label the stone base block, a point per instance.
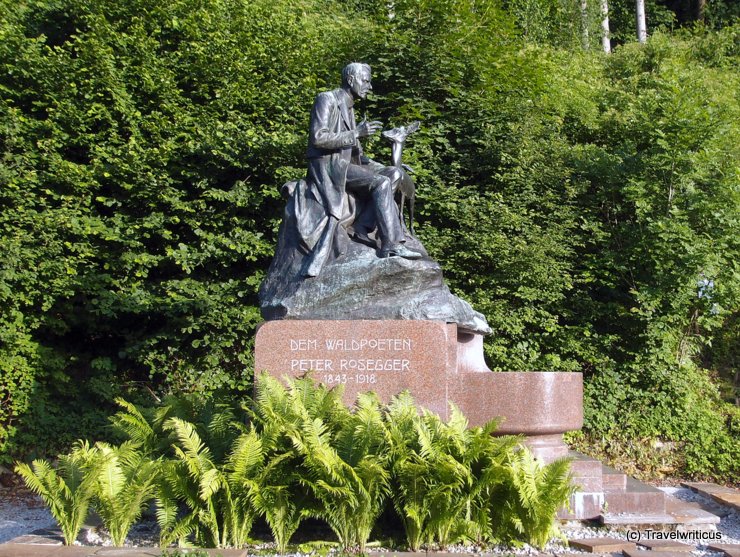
(435, 362)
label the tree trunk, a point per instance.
(641, 26)
(699, 6)
(585, 42)
(605, 42)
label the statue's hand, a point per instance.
(365, 128)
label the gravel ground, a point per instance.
(22, 513)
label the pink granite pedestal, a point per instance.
(436, 363)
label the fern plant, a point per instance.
(140, 426)
(408, 471)
(484, 457)
(125, 481)
(342, 455)
(525, 506)
(350, 485)
(443, 474)
(66, 490)
(282, 499)
(216, 423)
(280, 495)
(217, 494)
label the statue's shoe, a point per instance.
(400, 251)
(364, 239)
(399, 135)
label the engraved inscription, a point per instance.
(344, 378)
(374, 365)
(382, 344)
(335, 359)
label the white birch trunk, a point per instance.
(584, 25)
(605, 38)
(641, 26)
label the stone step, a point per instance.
(723, 495)
(678, 515)
(637, 519)
(644, 553)
(666, 545)
(586, 471)
(638, 497)
(602, 545)
(583, 506)
(690, 514)
(613, 480)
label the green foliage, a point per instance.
(66, 490)
(577, 200)
(347, 471)
(444, 475)
(125, 482)
(142, 146)
(343, 458)
(527, 502)
(216, 493)
(307, 455)
(281, 495)
(664, 263)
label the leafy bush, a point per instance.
(66, 490)
(307, 455)
(444, 475)
(125, 482)
(577, 200)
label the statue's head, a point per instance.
(356, 78)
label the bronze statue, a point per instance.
(337, 166)
(343, 250)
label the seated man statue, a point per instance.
(336, 167)
(343, 251)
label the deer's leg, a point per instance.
(401, 218)
(412, 200)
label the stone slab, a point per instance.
(695, 517)
(37, 539)
(688, 512)
(731, 500)
(637, 519)
(532, 403)
(387, 357)
(729, 549)
(646, 553)
(721, 494)
(20, 550)
(602, 545)
(665, 545)
(397, 554)
(128, 552)
(449, 554)
(638, 497)
(707, 488)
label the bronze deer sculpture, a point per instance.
(406, 186)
